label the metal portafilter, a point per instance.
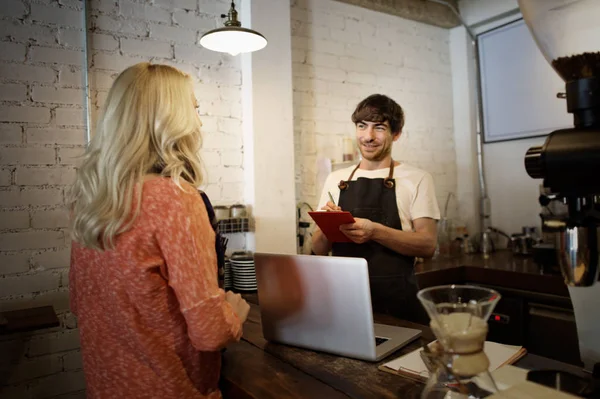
(570, 170)
(578, 255)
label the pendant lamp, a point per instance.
(232, 38)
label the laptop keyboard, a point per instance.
(379, 341)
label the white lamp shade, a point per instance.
(233, 40)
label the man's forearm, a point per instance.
(320, 244)
(408, 243)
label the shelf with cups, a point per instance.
(232, 219)
(234, 225)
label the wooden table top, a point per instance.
(256, 368)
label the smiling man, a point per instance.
(394, 207)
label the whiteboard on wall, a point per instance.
(518, 86)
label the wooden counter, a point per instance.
(298, 373)
(536, 303)
(255, 368)
(502, 269)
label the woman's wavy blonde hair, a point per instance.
(148, 125)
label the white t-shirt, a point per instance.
(415, 192)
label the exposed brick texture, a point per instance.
(343, 53)
(42, 133)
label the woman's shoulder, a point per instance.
(164, 190)
(154, 184)
(164, 201)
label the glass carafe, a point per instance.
(458, 365)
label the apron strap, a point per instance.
(344, 185)
(389, 181)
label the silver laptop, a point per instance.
(323, 303)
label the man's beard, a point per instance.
(382, 151)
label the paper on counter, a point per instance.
(498, 354)
(505, 377)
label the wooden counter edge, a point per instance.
(249, 372)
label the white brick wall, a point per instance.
(40, 80)
(168, 32)
(343, 53)
(42, 132)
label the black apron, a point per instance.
(391, 275)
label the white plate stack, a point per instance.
(244, 274)
(227, 275)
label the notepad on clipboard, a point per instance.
(412, 366)
(330, 221)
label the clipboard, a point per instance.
(330, 222)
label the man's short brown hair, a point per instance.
(379, 108)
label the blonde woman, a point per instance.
(143, 275)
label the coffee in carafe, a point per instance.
(457, 363)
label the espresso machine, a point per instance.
(568, 34)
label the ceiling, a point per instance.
(425, 11)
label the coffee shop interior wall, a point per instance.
(513, 194)
(42, 131)
(343, 53)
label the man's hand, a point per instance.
(360, 231)
(330, 206)
(320, 244)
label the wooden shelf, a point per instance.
(28, 319)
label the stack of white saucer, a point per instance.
(244, 274)
(227, 275)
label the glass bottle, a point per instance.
(444, 238)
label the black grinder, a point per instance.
(568, 34)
